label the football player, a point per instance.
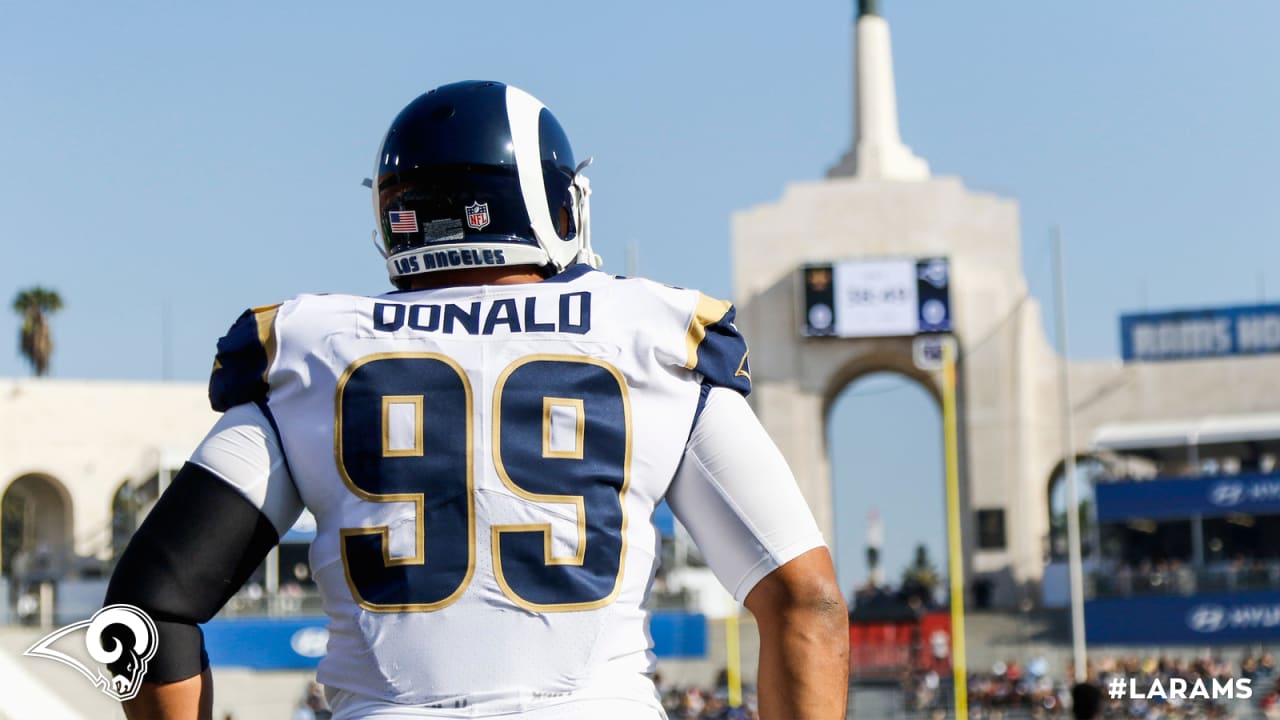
(483, 449)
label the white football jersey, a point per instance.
(483, 464)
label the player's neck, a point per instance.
(515, 275)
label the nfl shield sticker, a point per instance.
(478, 215)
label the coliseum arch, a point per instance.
(1089, 467)
(878, 358)
(36, 526)
(899, 408)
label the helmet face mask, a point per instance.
(478, 174)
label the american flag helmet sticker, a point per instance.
(403, 221)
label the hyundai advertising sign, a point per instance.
(1209, 332)
(1213, 496)
(1208, 619)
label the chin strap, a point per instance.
(381, 250)
(582, 195)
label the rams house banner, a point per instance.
(1201, 333)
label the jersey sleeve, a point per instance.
(715, 348)
(737, 498)
(244, 356)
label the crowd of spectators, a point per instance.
(1009, 688)
(1175, 577)
(696, 703)
(312, 705)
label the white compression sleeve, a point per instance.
(243, 450)
(738, 499)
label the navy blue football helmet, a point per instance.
(477, 174)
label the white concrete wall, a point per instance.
(90, 435)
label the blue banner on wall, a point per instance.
(299, 643)
(678, 635)
(1208, 332)
(1183, 497)
(267, 643)
(1208, 619)
(664, 520)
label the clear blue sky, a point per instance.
(209, 158)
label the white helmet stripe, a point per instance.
(522, 114)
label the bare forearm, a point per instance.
(804, 666)
(190, 699)
(804, 641)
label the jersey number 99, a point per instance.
(404, 433)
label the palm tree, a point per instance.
(35, 304)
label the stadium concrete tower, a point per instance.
(877, 207)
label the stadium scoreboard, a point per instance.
(883, 297)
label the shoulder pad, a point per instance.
(715, 347)
(244, 356)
